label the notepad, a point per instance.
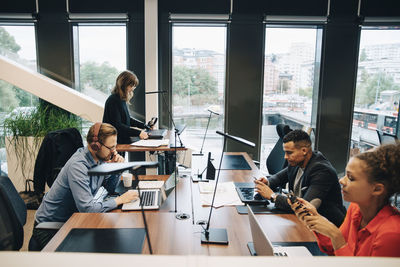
(151, 143)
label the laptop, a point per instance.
(157, 134)
(262, 246)
(153, 198)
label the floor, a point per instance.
(28, 229)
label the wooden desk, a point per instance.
(182, 237)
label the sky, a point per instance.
(108, 44)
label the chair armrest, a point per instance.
(49, 225)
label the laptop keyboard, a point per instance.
(147, 198)
(247, 193)
(280, 254)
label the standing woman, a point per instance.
(372, 225)
(116, 111)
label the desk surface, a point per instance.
(130, 148)
(182, 237)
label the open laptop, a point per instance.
(157, 134)
(153, 198)
(249, 196)
(262, 246)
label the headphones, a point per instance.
(95, 145)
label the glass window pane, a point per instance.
(378, 87)
(288, 82)
(102, 56)
(17, 42)
(198, 83)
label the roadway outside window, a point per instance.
(288, 82)
(18, 43)
(378, 87)
(198, 82)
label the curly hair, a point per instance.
(125, 79)
(383, 166)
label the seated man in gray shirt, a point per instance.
(74, 190)
(310, 176)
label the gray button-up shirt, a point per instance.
(73, 190)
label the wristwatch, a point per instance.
(273, 197)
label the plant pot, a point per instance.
(21, 157)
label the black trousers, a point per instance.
(42, 236)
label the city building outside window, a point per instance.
(377, 99)
(288, 83)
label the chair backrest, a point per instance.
(386, 138)
(56, 149)
(12, 216)
(276, 159)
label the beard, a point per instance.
(106, 158)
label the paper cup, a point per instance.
(127, 178)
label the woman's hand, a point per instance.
(143, 135)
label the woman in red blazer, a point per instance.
(372, 225)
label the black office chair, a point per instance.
(12, 216)
(276, 159)
(56, 149)
(386, 138)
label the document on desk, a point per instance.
(151, 143)
(226, 194)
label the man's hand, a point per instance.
(127, 197)
(263, 189)
(116, 157)
(143, 135)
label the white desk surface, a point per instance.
(51, 259)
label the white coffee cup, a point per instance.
(127, 178)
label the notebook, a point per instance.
(262, 246)
(152, 198)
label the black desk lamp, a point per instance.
(115, 168)
(177, 132)
(204, 138)
(219, 235)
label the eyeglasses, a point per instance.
(109, 148)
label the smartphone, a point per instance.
(152, 122)
(293, 199)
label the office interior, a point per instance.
(338, 26)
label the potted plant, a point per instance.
(24, 131)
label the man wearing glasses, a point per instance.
(74, 190)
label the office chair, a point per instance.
(56, 149)
(276, 159)
(13, 218)
(386, 138)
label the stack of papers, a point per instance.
(151, 143)
(226, 194)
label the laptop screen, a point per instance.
(170, 184)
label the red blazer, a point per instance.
(381, 236)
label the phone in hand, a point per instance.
(152, 122)
(293, 199)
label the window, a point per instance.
(100, 55)
(198, 82)
(17, 42)
(288, 82)
(378, 86)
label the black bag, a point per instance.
(31, 199)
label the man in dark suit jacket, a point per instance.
(310, 176)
